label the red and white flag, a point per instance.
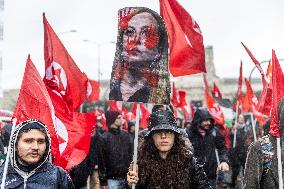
(216, 92)
(277, 95)
(187, 54)
(93, 90)
(174, 99)
(34, 103)
(61, 72)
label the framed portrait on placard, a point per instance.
(140, 68)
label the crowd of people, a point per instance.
(172, 153)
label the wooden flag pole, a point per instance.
(137, 125)
(14, 121)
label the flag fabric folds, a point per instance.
(93, 90)
(187, 54)
(61, 72)
(277, 95)
(35, 103)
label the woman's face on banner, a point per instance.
(140, 39)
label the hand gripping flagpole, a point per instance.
(137, 123)
(280, 176)
(14, 121)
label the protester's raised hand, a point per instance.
(132, 177)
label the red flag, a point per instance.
(174, 99)
(206, 85)
(115, 105)
(61, 72)
(93, 90)
(35, 103)
(213, 107)
(250, 104)
(269, 73)
(192, 109)
(182, 98)
(74, 131)
(257, 64)
(239, 92)
(216, 92)
(185, 40)
(277, 94)
(144, 115)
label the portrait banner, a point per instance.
(140, 68)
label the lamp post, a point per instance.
(262, 62)
(99, 45)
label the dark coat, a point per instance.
(259, 173)
(48, 176)
(204, 147)
(115, 155)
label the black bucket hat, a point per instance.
(162, 120)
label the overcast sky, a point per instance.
(224, 23)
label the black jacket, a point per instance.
(204, 147)
(115, 155)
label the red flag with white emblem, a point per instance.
(35, 103)
(61, 72)
(74, 131)
(187, 54)
(93, 90)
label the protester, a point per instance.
(261, 170)
(115, 153)
(29, 166)
(205, 139)
(131, 129)
(239, 152)
(164, 160)
(140, 70)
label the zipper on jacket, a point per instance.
(25, 182)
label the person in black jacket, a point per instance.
(29, 167)
(206, 141)
(115, 153)
(164, 158)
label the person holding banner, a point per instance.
(29, 166)
(140, 69)
(262, 166)
(164, 160)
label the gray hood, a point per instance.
(15, 136)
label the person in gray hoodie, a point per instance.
(29, 166)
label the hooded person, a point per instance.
(261, 169)
(205, 138)
(29, 166)
(164, 158)
(115, 150)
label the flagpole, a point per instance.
(236, 122)
(280, 177)
(137, 123)
(14, 121)
(253, 127)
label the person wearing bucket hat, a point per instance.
(261, 168)
(29, 166)
(164, 160)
